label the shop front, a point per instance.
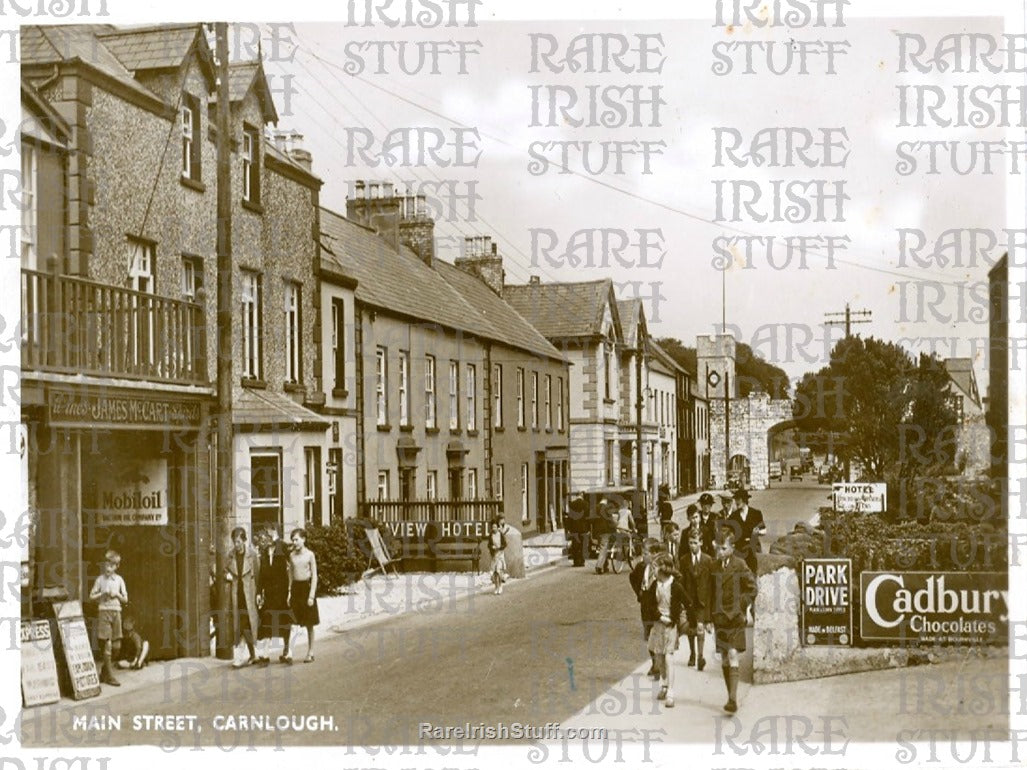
(123, 469)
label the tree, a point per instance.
(888, 406)
(753, 373)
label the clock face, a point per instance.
(713, 378)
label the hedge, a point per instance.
(339, 561)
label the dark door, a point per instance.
(541, 499)
(126, 463)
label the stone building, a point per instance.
(740, 428)
(973, 438)
(128, 389)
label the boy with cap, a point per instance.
(731, 589)
(708, 522)
(695, 571)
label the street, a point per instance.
(543, 651)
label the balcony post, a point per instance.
(198, 365)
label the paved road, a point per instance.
(542, 652)
(783, 504)
(481, 658)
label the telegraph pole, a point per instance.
(638, 423)
(223, 510)
(833, 319)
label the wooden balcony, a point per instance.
(431, 510)
(71, 325)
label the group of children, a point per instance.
(691, 596)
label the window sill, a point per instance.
(472, 433)
(384, 428)
(521, 428)
(192, 184)
(406, 428)
(253, 382)
(293, 387)
(455, 431)
(499, 429)
(549, 430)
(256, 208)
(340, 393)
(609, 401)
(431, 431)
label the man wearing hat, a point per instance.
(748, 525)
(707, 522)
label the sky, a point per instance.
(334, 90)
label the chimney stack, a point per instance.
(534, 281)
(481, 259)
(400, 218)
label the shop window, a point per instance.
(265, 488)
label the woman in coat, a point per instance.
(241, 573)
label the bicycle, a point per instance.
(625, 549)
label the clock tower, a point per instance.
(715, 364)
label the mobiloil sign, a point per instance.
(946, 607)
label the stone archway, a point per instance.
(751, 421)
(740, 469)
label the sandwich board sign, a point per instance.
(39, 683)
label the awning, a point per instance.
(257, 409)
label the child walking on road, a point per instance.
(731, 589)
(497, 550)
(664, 602)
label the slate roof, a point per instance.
(629, 311)
(961, 372)
(510, 326)
(560, 310)
(400, 282)
(149, 48)
(664, 357)
(51, 44)
(241, 78)
(396, 280)
(266, 408)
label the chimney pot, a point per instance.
(534, 280)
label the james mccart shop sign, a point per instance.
(948, 607)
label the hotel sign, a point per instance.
(860, 498)
(68, 409)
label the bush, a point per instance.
(339, 562)
(873, 543)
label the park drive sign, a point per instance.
(934, 607)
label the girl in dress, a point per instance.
(663, 606)
(303, 588)
(497, 549)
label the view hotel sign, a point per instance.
(935, 607)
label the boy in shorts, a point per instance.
(732, 588)
(110, 594)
